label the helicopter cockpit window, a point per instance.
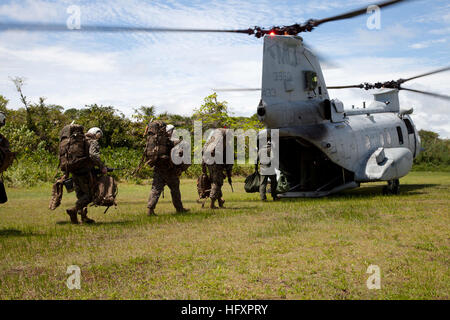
(400, 135)
(310, 80)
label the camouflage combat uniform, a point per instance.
(218, 172)
(83, 181)
(165, 174)
(267, 173)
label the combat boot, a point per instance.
(221, 202)
(72, 212)
(213, 204)
(84, 217)
(182, 210)
(151, 212)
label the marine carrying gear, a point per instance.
(203, 184)
(57, 193)
(158, 144)
(73, 149)
(105, 192)
(252, 182)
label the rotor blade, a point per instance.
(425, 74)
(359, 86)
(236, 89)
(432, 94)
(54, 27)
(355, 13)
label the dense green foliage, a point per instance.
(435, 155)
(34, 133)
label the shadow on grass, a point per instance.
(100, 223)
(17, 233)
(405, 190)
(371, 191)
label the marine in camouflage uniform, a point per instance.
(218, 172)
(83, 180)
(267, 173)
(165, 173)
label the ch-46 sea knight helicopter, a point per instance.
(324, 148)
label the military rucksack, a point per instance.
(106, 192)
(178, 150)
(203, 186)
(73, 149)
(211, 146)
(158, 144)
(6, 155)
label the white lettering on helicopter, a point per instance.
(270, 92)
(284, 54)
(281, 76)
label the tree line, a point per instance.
(33, 131)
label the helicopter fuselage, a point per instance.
(323, 147)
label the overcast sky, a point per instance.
(175, 72)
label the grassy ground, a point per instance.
(292, 249)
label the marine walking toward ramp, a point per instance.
(214, 156)
(157, 154)
(79, 155)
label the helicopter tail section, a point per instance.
(293, 85)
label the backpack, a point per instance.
(252, 182)
(158, 144)
(178, 149)
(106, 192)
(211, 146)
(73, 149)
(203, 184)
(6, 156)
(283, 184)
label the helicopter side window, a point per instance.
(400, 135)
(367, 142)
(387, 136)
(409, 126)
(310, 80)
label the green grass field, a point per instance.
(292, 249)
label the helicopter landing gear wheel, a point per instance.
(393, 187)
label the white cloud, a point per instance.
(428, 43)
